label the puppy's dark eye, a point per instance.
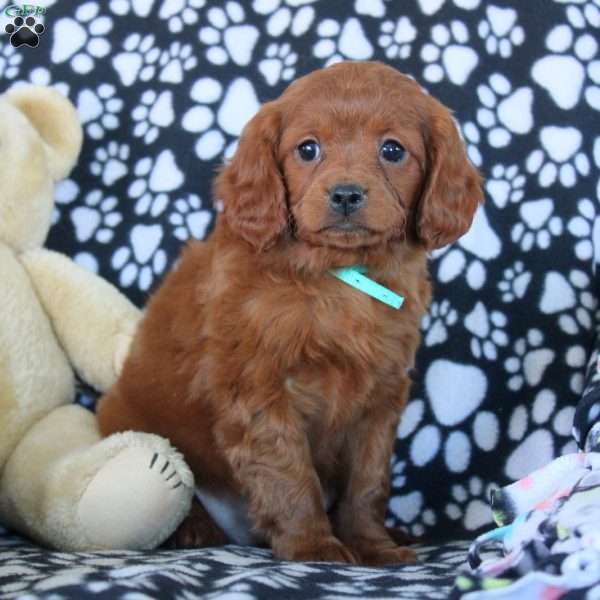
(309, 150)
(392, 151)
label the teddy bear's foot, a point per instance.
(137, 499)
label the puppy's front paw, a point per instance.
(327, 549)
(387, 554)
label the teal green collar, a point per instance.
(354, 277)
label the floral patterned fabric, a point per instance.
(164, 87)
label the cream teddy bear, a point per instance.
(60, 483)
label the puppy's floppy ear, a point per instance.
(453, 187)
(251, 184)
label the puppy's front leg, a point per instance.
(360, 513)
(269, 454)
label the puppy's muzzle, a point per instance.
(346, 198)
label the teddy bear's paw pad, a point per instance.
(136, 500)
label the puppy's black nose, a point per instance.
(346, 198)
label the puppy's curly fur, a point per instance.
(282, 385)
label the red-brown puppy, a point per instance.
(281, 384)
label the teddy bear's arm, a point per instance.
(94, 322)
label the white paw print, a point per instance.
(228, 36)
(153, 112)
(500, 31)
(571, 298)
(42, 76)
(342, 42)
(573, 68)
(97, 218)
(448, 55)
(180, 13)
(292, 15)
(65, 192)
(529, 361)
(515, 282)
(397, 473)
(10, 60)
(139, 61)
(538, 225)
(110, 162)
(472, 138)
(219, 114)
(504, 111)
(175, 61)
(559, 157)
(471, 503)
(140, 8)
(278, 64)
(155, 177)
(488, 331)
(396, 38)
(585, 226)
(505, 185)
(81, 40)
(99, 110)
(189, 220)
(408, 509)
(436, 322)
(142, 261)
(430, 7)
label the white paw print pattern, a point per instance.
(500, 31)
(342, 42)
(409, 510)
(586, 228)
(504, 111)
(174, 61)
(396, 38)
(228, 36)
(189, 219)
(430, 7)
(529, 361)
(279, 63)
(65, 192)
(488, 329)
(436, 322)
(155, 111)
(295, 16)
(180, 13)
(573, 68)
(110, 162)
(82, 40)
(96, 218)
(139, 59)
(514, 283)
(143, 260)
(537, 226)
(155, 178)
(570, 298)
(560, 157)
(139, 8)
(505, 185)
(471, 503)
(472, 139)
(99, 110)
(218, 114)
(448, 55)
(10, 60)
